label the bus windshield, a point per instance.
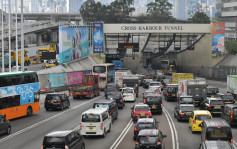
(99, 69)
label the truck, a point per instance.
(6, 59)
(232, 85)
(181, 76)
(89, 87)
(131, 81)
(119, 78)
(195, 88)
(53, 47)
(26, 57)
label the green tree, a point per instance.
(231, 47)
(159, 12)
(200, 18)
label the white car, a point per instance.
(95, 122)
(128, 94)
(156, 85)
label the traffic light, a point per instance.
(191, 47)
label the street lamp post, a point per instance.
(2, 42)
(22, 38)
(16, 39)
(9, 32)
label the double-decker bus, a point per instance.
(19, 94)
(106, 73)
(169, 66)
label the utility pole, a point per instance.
(16, 40)
(22, 38)
(9, 33)
(2, 42)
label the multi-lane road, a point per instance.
(28, 132)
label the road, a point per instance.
(28, 132)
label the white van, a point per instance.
(128, 94)
(95, 122)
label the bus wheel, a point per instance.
(29, 111)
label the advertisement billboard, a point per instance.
(218, 37)
(25, 91)
(75, 78)
(98, 38)
(58, 80)
(73, 43)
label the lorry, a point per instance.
(131, 81)
(232, 85)
(6, 59)
(195, 88)
(26, 57)
(89, 87)
(119, 78)
(53, 47)
(181, 76)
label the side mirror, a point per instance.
(164, 136)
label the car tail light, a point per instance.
(231, 141)
(136, 114)
(136, 143)
(148, 113)
(209, 106)
(42, 147)
(58, 101)
(66, 147)
(159, 143)
(167, 94)
(105, 90)
(121, 100)
(80, 126)
(144, 101)
(233, 100)
(231, 115)
(161, 105)
(110, 113)
(101, 126)
(181, 113)
(206, 139)
(135, 129)
(194, 121)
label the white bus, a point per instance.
(106, 73)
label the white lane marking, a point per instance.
(172, 132)
(175, 131)
(44, 121)
(122, 135)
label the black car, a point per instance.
(117, 96)
(63, 139)
(183, 111)
(171, 92)
(144, 123)
(213, 105)
(5, 127)
(212, 91)
(226, 98)
(230, 114)
(56, 101)
(217, 144)
(150, 138)
(111, 87)
(147, 83)
(154, 101)
(110, 104)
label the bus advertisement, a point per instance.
(19, 94)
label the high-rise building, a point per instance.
(74, 5)
(227, 12)
(180, 9)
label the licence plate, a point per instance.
(153, 107)
(228, 102)
(127, 96)
(143, 114)
(196, 101)
(51, 101)
(173, 95)
(218, 107)
(188, 113)
(91, 128)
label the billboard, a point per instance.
(98, 36)
(218, 37)
(73, 43)
(75, 78)
(25, 91)
(58, 80)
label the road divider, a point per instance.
(122, 135)
(175, 139)
(45, 120)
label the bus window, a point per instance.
(99, 69)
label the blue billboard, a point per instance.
(25, 91)
(98, 38)
(58, 80)
(73, 43)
